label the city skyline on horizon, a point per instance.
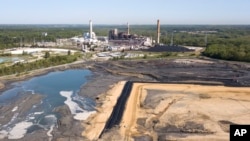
(111, 12)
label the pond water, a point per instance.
(57, 88)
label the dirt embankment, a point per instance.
(96, 123)
(152, 104)
(183, 112)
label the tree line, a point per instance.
(14, 36)
(223, 43)
(228, 52)
(38, 64)
(11, 37)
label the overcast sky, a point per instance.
(123, 11)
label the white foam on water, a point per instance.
(31, 118)
(51, 118)
(14, 109)
(50, 130)
(19, 130)
(72, 105)
(84, 115)
(38, 113)
(79, 113)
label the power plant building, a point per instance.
(90, 37)
(90, 34)
(125, 38)
(115, 35)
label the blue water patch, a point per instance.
(50, 86)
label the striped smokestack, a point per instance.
(158, 32)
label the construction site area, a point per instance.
(144, 90)
(169, 99)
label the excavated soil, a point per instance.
(191, 102)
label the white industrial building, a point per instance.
(90, 36)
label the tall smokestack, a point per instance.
(90, 29)
(128, 28)
(158, 31)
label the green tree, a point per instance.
(69, 52)
(47, 54)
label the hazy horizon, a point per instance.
(134, 24)
(139, 12)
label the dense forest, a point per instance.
(229, 52)
(231, 42)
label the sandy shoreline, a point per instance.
(93, 131)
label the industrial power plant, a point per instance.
(125, 38)
(116, 40)
(122, 39)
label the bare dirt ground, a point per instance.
(194, 104)
(184, 112)
(99, 120)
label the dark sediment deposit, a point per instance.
(178, 71)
